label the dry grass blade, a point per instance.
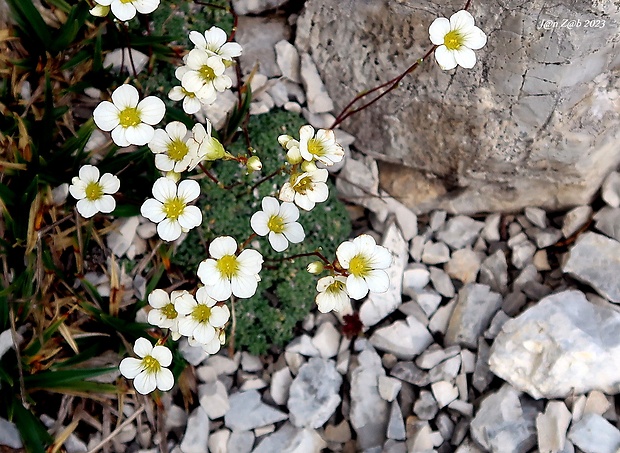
(111, 436)
(63, 436)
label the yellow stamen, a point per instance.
(206, 73)
(359, 266)
(302, 185)
(453, 40)
(336, 287)
(276, 224)
(169, 311)
(177, 150)
(315, 147)
(94, 191)
(173, 208)
(129, 117)
(228, 265)
(151, 364)
(201, 313)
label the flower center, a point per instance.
(303, 185)
(93, 190)
(206, 73)
(177, 150)
(336, 287)
(359, 266)
(129, 117)
(201, 313)
(453, 40)
(173, 208)
(127, 1)
(276, 224)
(189, 94)
(315, 147)
(151, 364)
(228, 265)
(169, 311)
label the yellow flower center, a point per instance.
(129, 117)
(453, 40)
(359, 266)
(206, 73)
(173, 208)
(201, 313)
(302, 185)
(151, 364)
(276, 224)
(315, 147)
(228, 265)
(169, 311)
(336, 287)
(93, 190)
(177, 150)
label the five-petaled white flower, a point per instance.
(149, 371)
(170, 210)
(332, 294)
(191, 102)
(323, 147)
(214, 43)
(171, 147)
(126, 9)
(130, 120)
(457, 39)
(94, 194)
(365, 262)
(205, 76)
(226, 273)
(201, 316)
(306, 189)
(279, 222)
(164, 313)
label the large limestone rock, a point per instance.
(535, 122)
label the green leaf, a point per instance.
(126, 210)
(31, 23)
(68, 32)
(62, 378)
(34, 435)
(7, 195)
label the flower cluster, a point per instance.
(124, 9)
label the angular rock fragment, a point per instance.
(552, 426)
(594, 434)
(403, 339)
(247, 411)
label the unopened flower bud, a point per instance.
(254, 164)
(283, 140)
(316, 267)
(308, 166)
(173, 175)
(293, 156)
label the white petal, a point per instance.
(142, 347)
(364, 243)
(287, 193)
(215, 37)
(221, 290)
(244, 286)
(203, 333)
(198, 39)
(278, 241)
(219, 316)
(106, 116)
(438, 30)
(250, 262)
(110, 183)
(164, 189)
(222, 83)
(152, 210)
(258, 222)
(289, 212)
(191, 105)
(475, 39)
(187, 326)
(105, 204)
(180, 71)
(191, 217)
(162, 354)
(223, 245)
(130, 367)
(325, 303)
(86, 208)
(304, 202)
(169, 230)
(157, 318)
(270, 205)
(188, 190)
(184, 305)
(160, 141)
(77, 189)
(377, 281)
(176, 94)
(207, 272)
(152, 110)
(230, 50)
(125, 96)
(196, 58)
(381, 258)
(165, 380)
(345, 252)
(176, 130)
(462, 21)
(356, 287)
(445, 58)
(163, 162)
(145, 382)
(89, 173)
(146, 6)
(202, 297)
(294, 232)
(319, 193)
(465, 57)
(118, 136)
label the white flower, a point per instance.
(100, 10)
(279, 222)
(148, 372)
(203, 146)
(130, 120)
(225, 273)
(205, 76)
(201, 316)
(126, 9)
(191, 102)
(306, 189)
(364, 260)
(169, 209)
(457, 39)
(164, 313)
(332, 294)
(214, 43)
(323, 147)
(94, 194)
(171, 148)
(213, 346)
